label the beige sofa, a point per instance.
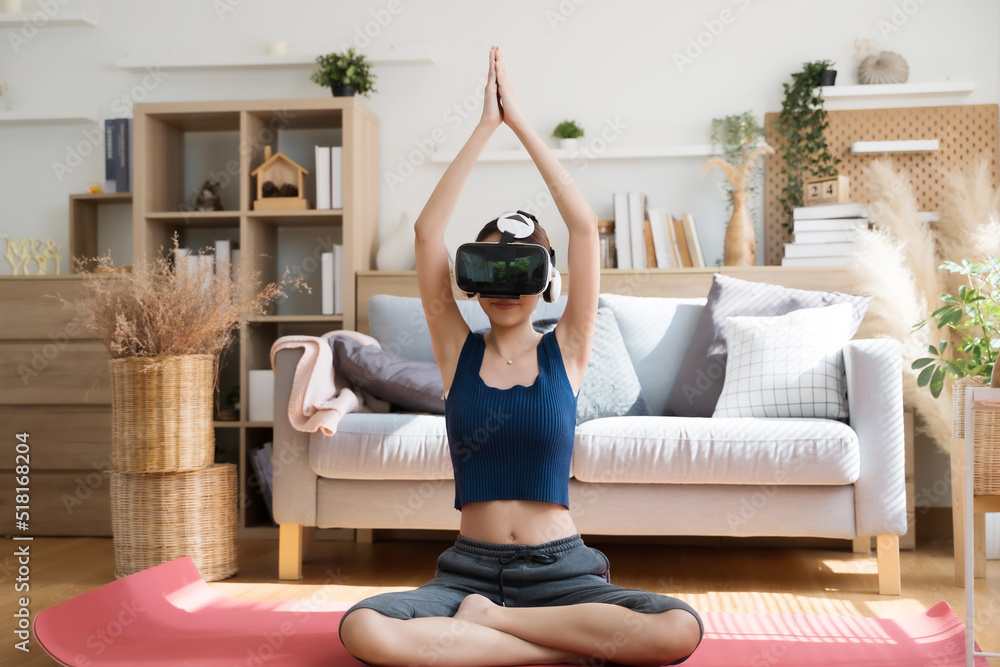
(636, 475)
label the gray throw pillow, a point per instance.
(703, 370)
(405, 383)
(610, 385)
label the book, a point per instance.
(128, 156)
(263, 469)
(636, 217)
(337, 177)
(647, 240)
(110, 183)
(623, 239)
(830, 225)
(844, 260)
(820, 249)
(234, 259)
(223, 257)
(338, 291)
(121, 155)
(838, 236)
(323, 182)
(326, 262)
(260, 395)
(683, 249)
(847, 210)
(694, 242)
(661, 241)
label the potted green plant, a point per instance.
(974, 315)
(801, 124)
(345, 73)
(567, 132)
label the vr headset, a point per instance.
(507, 270)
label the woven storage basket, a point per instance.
(958, 403)
(161, 413)
(986, 452)
(156, 518)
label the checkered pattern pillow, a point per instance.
(787, 366)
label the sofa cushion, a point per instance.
(702, 374)
(656, 331)
(386, 446)
(399, 325)
(787, 366)
(405, 383)
(693, 450)
(610, 385)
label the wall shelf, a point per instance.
(892, 89)
(409, 54)
(905, 146)
(635, 153)
(46, 118)
(67, 18)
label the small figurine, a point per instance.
(208, 198)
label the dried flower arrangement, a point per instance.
(156, 310)
(738, 175)
(899, 260)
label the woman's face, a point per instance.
(507, 312)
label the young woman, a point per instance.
(519, 586)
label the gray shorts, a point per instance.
(561, 572)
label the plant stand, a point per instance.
(982, 400)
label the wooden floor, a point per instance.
(750, 579)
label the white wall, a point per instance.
(596, 61)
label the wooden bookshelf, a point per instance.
(178, 145)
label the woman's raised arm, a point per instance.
(575, 331)
(447, 327)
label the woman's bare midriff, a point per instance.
(516, 522)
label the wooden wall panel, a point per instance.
(40, 372)
(964, 132)
(30, 310)
(62, 437)
(70, 503)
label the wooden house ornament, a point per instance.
(280, 184)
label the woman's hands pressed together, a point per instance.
(499, 102)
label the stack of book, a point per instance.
(224, 261)
(118, 155)
(329, 177)
(824, 235)
(648, 237)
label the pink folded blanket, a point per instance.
(320, 396)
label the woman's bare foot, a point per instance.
(475, 609)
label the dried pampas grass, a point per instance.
(155, 310)
(897, 263)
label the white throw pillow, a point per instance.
(787, 366)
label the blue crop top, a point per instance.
(516, 443)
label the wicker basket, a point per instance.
(958, 403)
(986, 452)
(159, 517)
(161, 413)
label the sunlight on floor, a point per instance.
(857, 566)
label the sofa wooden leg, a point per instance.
(888, 565)
(862, 545)
(290, 550)
(364, 535)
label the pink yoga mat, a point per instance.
(167, 615)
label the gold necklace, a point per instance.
(511, 360)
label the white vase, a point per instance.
(396, 253)
(567, 144)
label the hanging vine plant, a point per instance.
(801, 124)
